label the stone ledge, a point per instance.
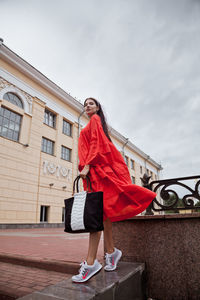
(169, 247)
(167, 216)
(124, 283)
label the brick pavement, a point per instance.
(42, 244)
(17, 281)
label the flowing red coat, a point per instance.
(109, 173)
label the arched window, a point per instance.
(14, 99)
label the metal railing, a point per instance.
(167, 197)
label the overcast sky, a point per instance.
(139, 58)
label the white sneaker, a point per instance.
(86, 271)
(112, 260)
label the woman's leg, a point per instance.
(89, 268)
(108, 237)
(94, 242)
(113, 255)
(93, 247)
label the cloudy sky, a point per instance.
(140, 58)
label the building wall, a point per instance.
(140, 164)
(30, 178)
(26, 172)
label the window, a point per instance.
(67, 128)
(50, 118)
(140, 169)
(44, 212)
(132, 164)
(133, 179)
(126, 160)
(63, 215)
(47, 146)
(10, 124)
(151, 173)
(14, 99)
(66, 153)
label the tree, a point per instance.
(197, 204)
(170, 201)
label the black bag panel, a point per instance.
(68, 209)
(93, 218)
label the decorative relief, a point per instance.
(29, 100)
(3, 83)
(8, 87)
(51, 168)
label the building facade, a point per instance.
(39, 129)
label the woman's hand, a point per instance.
(85, 171)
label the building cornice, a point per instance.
(16, 61)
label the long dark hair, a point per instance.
(101, 115)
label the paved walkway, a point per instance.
(17, 281)
(46, 243)
(38, 244)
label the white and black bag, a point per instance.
(84, 211)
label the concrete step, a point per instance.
(46, 264)
(126, 283)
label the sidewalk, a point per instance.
(41, 245)
(17, 281)
(46, 243)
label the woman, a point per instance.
(103, 163)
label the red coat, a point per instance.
(109, 173)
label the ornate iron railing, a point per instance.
(169, 199)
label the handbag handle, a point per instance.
(76, 183)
